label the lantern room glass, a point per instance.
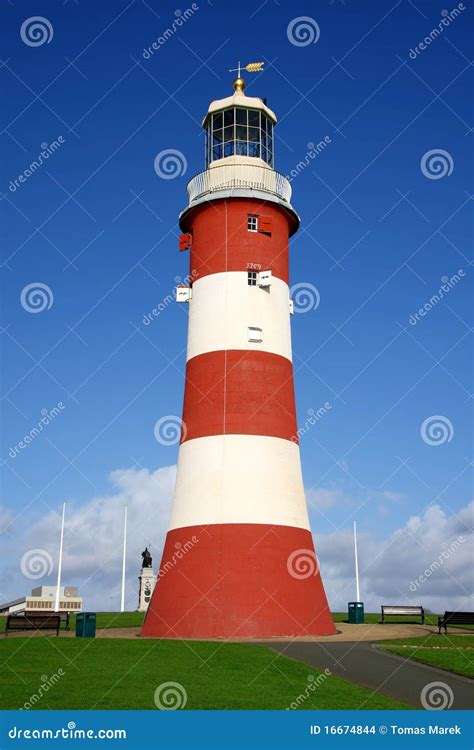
(239, 131)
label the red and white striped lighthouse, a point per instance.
(239, 560)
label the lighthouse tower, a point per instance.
(239, 560)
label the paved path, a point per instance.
(385, 673)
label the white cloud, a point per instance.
(93, 539)
(393, 570)
(93, 548)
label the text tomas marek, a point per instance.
(395, 729)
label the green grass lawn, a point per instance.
(124, 674)
(372, 618)
(452, 652)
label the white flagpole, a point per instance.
(122, 602)
(60, 563)
(356, 564)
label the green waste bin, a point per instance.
(85, 625)
(356, 612)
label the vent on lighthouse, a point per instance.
(255, 335)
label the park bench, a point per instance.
(455, 618)
(33, 622)
(392, 609)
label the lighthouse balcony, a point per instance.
(239, 177)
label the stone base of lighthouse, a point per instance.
(238, 581)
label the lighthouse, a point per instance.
(238, 560)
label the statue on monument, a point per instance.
(147, 560)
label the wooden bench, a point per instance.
(33, 622)
(395, 610)
(455, 618)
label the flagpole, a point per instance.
(356, 564)
(122, 602)
(60, 563)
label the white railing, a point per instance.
(244, 176)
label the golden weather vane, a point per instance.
(254, 67)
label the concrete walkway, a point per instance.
(392, 675)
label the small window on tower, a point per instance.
(252, 278)
(252, 223)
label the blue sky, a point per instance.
(98, 226)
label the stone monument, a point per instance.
(146, 581)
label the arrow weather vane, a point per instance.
(254, 67)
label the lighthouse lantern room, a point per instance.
(239, 560)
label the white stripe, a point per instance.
(239, 479)
(224, 306)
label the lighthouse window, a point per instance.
(240, 131)
(252, 223)
(252, 278)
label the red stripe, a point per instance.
(239, 393)
(221, 241)
(238, 581)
